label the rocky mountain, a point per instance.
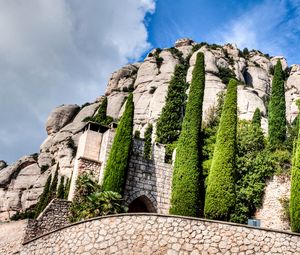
(22, 182)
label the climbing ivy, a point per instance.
(148, 141)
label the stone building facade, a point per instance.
(148, 184)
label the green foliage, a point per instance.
(43, 198)
(169, 149)
(28, 214)
(225, 74)
(101, 116)
(44, 168)
(185, 199)
(198, 46)
(148, 141)
(178, 54)
(72, 146)
(277, 121)
(137, 134)
(285, 203)
(54, 183)
(256, 120)
(89, 201)
(61, 188)
(67, 188)
(220, 192)
(116, 167)
(245, 52)
(295, 190)
(170, 121)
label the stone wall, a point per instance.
(54, 216)
(161, 234)
(271, 213)
(149, 179)
(89, 165)
(11, 236)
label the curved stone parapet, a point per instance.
(161, 234)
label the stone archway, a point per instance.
(141, 204)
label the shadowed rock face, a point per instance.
(22, 182)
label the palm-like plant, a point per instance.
(90, 201)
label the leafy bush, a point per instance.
(277, 120)
(148, 141)
(170, 120)
(116, 167)
(67, 188)
(28, 214)
(101, 116)
(225, 74)
(295, 188)
(137, 134)
(185, 198)
(44, 168)
(220, 192)
(90, 201)
(61, 188)
(44, 198)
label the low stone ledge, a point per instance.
(142, 233)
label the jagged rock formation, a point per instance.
(21, 183)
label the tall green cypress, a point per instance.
(185, 199)
(67, 188)
(295, 189)
(148, 141)
(116, 167)
(39, 207)
(220, 192)
(54, 183)
(61, 188)
(101, 114)
(256, 119)
(277, 120)
(169, 123)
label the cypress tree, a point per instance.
(169, 123)
(116, 167)
(256, 119)
(220, 192)
(54, 183)
(101, 114)
(295, 189)
(277, 120)
(185, 199)
(67, 188)
(43, 197)
(61, 188)
(148, 141)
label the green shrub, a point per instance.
(170, 121)
(101, 116)
(225, 74)
(148, 141)
(28, 214)
(44, 168)
(277, 121)
(90, 201)
(61, 188)
(67, 188)
(116, 167)
(185, 198)
(295, 190)
(137, 134)
(53, 187)
(44, 196)
(256, 120)
(220, 192)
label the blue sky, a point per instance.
(270, 26)
(55, 52)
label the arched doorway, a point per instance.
(141, 204)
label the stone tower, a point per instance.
(93, 147)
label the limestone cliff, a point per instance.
(22, 182)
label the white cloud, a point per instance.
(60, 51)
(268, 26)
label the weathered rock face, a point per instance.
(22, 182)
(60, 117)
(3, 164)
